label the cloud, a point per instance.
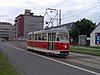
(9, 9)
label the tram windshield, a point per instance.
(62, 37)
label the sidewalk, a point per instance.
(84, 59)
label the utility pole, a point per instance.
(59, 17)
(98, 1)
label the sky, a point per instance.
(71, 10)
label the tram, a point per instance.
(54, 41)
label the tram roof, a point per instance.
(30, 33)
(52, 31)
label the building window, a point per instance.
(97, 38)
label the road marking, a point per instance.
(86, 70)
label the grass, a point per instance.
(96, 47)
(5, 66)
(86, 51)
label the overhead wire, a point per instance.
(75, 10)
(53, 7)
(13, 5)
(60, 3)
(96, 5)
(85, 7)
(17, 8)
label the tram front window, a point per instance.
(62, 37)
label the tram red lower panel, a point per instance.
(44, 45)
(29, 42)
(61, 46)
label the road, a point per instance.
(29, 63)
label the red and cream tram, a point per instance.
(54, 41)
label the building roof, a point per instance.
(29, 14)
(96, 27)
(5, 23)
(68, 25)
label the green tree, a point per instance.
(82, 27)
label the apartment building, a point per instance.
(28, 22)
(14, 32)
(5, 30)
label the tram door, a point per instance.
(51, 39)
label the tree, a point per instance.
(82, 27)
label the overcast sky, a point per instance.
(72, 10)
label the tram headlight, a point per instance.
(65, 46)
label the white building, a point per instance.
(95, 36)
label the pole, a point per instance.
(59, 17)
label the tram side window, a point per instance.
(53, 36)
(36, 37)
(33, 37)
(29, 37)
(57, 38)
(62, 37)
(44, 36)
(66, 36)
(39, 36)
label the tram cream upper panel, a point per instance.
(53, 31)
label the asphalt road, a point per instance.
(29, 63)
